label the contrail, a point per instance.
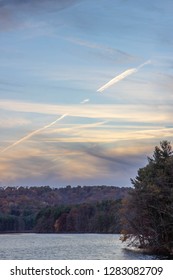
(143, 64)
(84, 101)
(37, 131)
(33, 133)
(118, 78)
(122, 76)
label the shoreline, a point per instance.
(149, 251)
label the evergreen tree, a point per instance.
(148, 211)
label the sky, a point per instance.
(86, 89)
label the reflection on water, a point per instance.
(65, 247)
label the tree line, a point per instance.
(100, 217)
(147, 212)
(46, 209)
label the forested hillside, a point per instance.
(45, 209)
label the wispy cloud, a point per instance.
(9, 122)
(36, 4)
(119, 112)
(32, 134)
(122, 76)
(106, 134)
(10, 10)
(103, 49)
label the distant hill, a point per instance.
(44, 208)
(15, 198)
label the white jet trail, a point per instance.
(118, 78)
(84, 101)
(37, 131)
(143, 64)
(33, 133)
(122, 76)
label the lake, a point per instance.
(30, 246)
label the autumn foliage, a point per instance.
(69, 209)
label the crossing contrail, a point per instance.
(122, 76)
(33, 133)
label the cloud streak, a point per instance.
(123, 112)
(33, 4)
(105, 136)
(32, 134)
(122, 76)
(10, 10)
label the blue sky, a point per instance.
(54, 56)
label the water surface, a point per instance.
(65, 247)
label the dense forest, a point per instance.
(69, 209)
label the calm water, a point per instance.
(65, 247)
